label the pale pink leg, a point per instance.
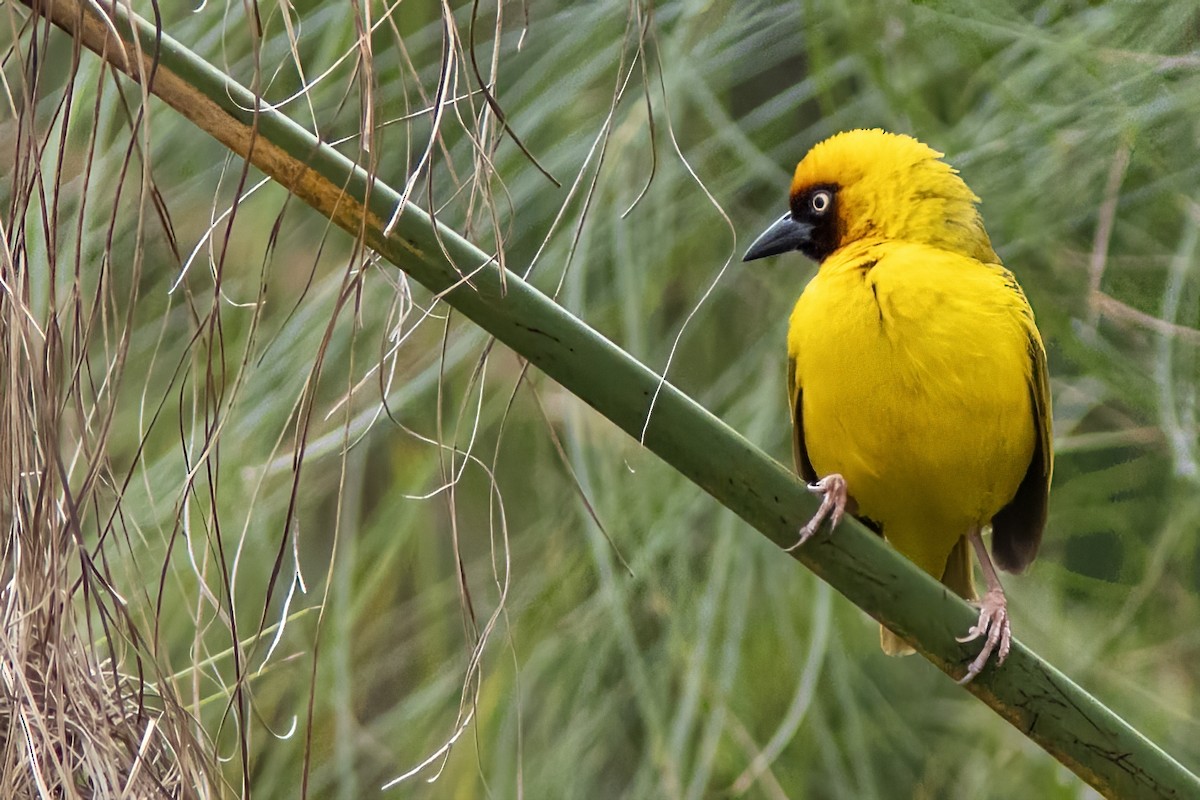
(993, 615)
(834, 496)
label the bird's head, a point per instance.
(866, 185)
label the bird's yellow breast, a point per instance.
(913, 366)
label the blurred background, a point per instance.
(323, 517)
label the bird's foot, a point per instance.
(993, 624)
(834, 496)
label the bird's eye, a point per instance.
(821, 201)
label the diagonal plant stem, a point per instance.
(1031, 694)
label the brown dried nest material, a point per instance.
(80, 713)
(71, 726)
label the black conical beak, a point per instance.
(784, 236)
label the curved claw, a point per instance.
(994, 625)
(834, 496)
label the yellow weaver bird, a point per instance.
(917, 378)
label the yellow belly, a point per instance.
(915, 380)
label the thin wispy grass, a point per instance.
(295, 435)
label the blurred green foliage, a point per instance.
(671, 679)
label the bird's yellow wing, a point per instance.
(799, 452)
(1017, 528)
(804, 467)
